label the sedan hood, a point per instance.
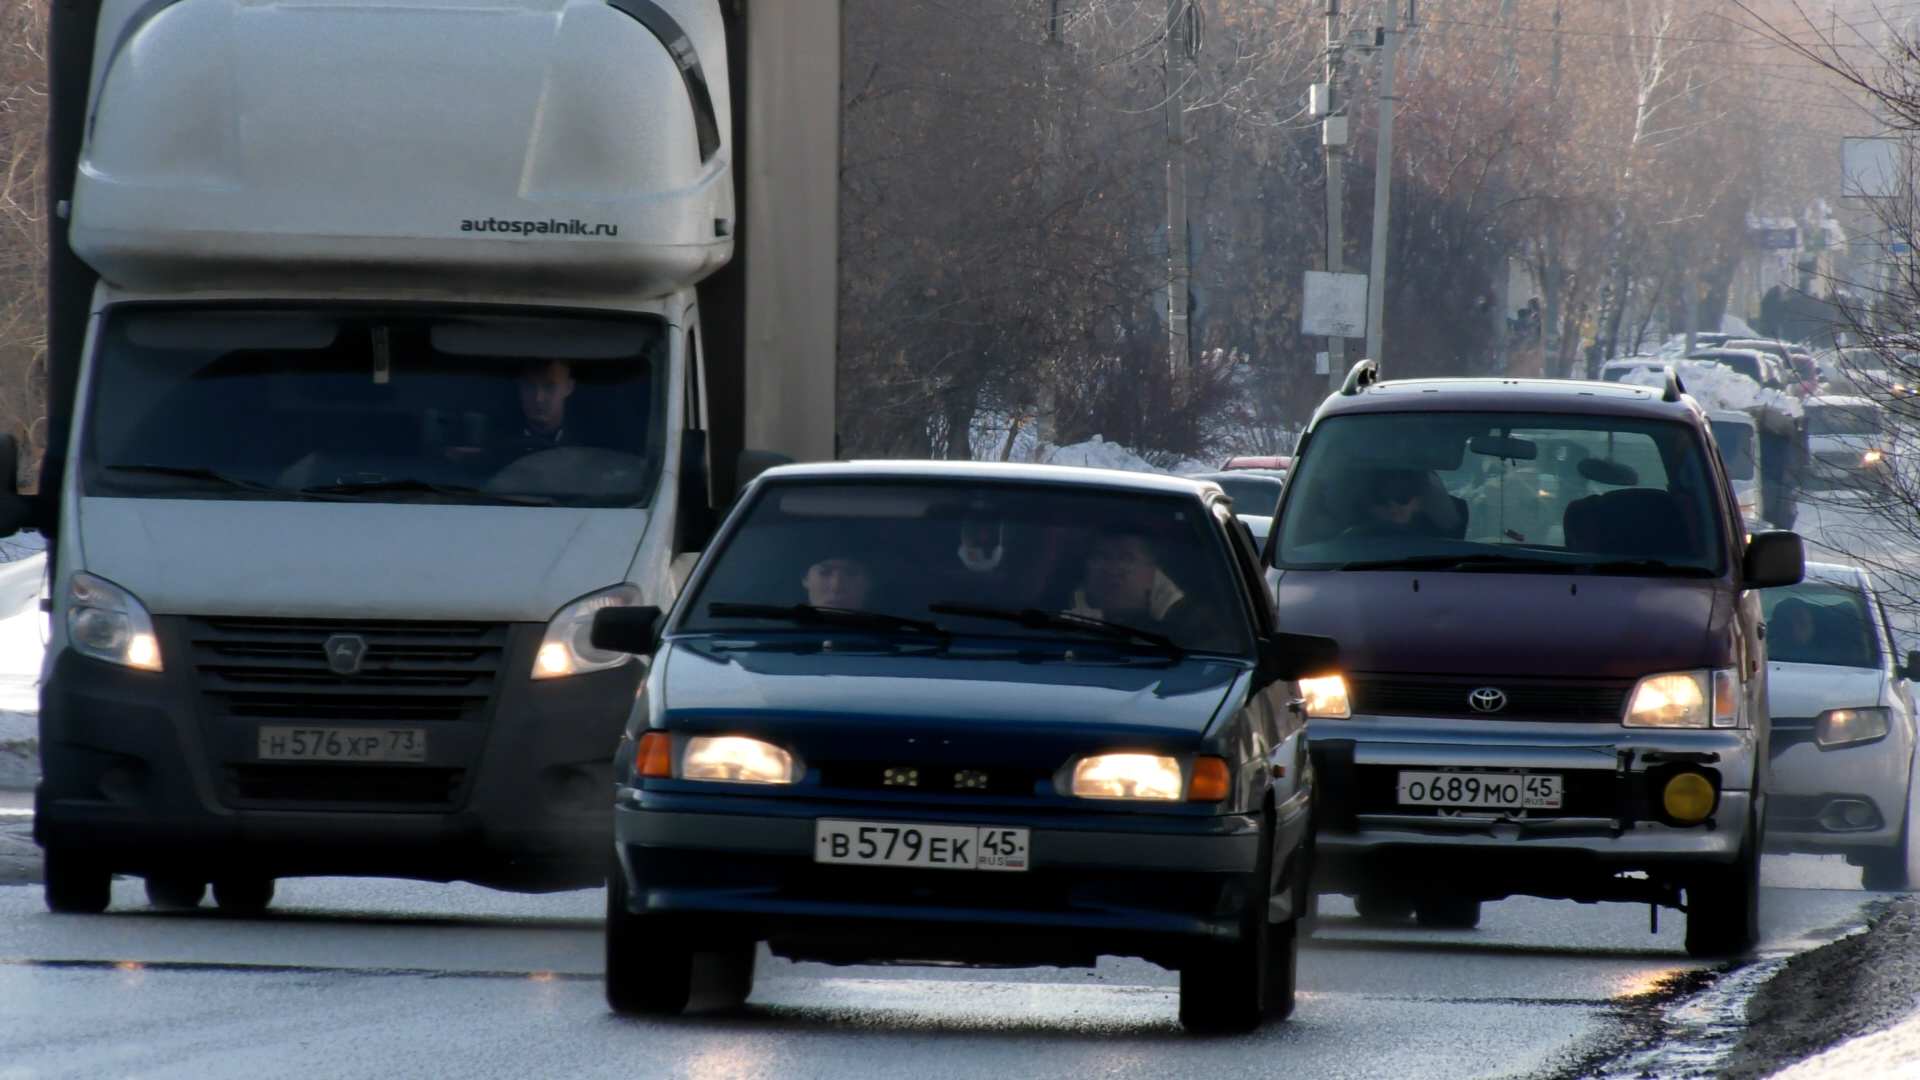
(940, 707)
(1807, 690)
(1522, 625)
(359, 560)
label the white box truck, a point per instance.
(385, 376)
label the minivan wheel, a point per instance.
(1723, 904)
(174, 892)
(75, 884)
(243, 894)
(1447, 912)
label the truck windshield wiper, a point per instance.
(814, 615)
(1443, 562)
(373, 487)
(196, 472)
(1648, 568)
(1037, 619)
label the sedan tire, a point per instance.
(1884, 869)
(75, 884)
(1231, 987)
(243, 894)
(175, 893)
(654, 970)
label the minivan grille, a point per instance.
(277, 669)
(1524, 701)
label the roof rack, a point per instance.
(1674, 386)
(1364, 374)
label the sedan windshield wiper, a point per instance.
(1442, 562)
(1037, 619)
(196, 472)
(1648, 568)
(814, 615)
(372, 487)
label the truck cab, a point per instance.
(391, 378)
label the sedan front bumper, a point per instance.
(1835, 801)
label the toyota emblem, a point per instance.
(344, 653)
(1487, 699)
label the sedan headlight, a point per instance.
(735, 758)
(1687, 699)
(1127, 776)
(1849, 727)
(567, 649)
(1871, 458)
(1325, 698)
(104, 621)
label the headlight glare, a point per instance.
(1677, 700)
(1849, 727)
(104, 621)
(735, 758)
(1127, 776)
(1326, 698)
(567, 648)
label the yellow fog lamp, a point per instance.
(1687, 798)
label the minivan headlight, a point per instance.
(1325, 698)
(104, 621)
(1849, 727)
(1687, 699)
(567, 649)
(735, 758)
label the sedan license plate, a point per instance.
(357, 744)
(936, 847)
(1482, 791)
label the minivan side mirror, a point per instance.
(1288, 657)
(626, 629)
(1773, 558)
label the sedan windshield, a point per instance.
(1817, 622)
(407, 406)
(1495, 491)
(1121, 568)
(1843, 420)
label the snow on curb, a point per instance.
(1893, 1054)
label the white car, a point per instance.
(1847, 442)
(1841, 749)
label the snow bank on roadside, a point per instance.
(1716, 386)
(1096, 453)
(1893, 1054)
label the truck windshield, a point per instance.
(997, 560)
(1818, 622)
(1496, 491)
(392, 406)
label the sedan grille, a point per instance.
(1522, 700)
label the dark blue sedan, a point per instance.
(965, 713)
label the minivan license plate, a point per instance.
(356, 744)
(933, 847)
(1482, 791)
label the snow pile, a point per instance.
(1095, 453)
(1716, 386)
(21, 647)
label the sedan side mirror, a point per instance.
(1288, 657)
(1773, 558)
(626, 629)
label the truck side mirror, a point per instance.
(1288, 657)
(1773, 558)
(694, 518)
(753, 463)
(626, 629)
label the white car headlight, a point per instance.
(568, 649)
(1127, 776)
(1687, 699)
(735, 758)
(1326, 698)
(1849, 727)
(104, 621)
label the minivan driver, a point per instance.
(1403, 502)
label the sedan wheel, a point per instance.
(178, 893)
(243, 894)
(654, 970)
(75, 884)
(1884, 869)
(1233, 987)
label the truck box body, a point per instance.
(391, 374)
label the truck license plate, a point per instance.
(355, 744)
(935, 847)
(1482, 791)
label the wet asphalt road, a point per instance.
(396, 979)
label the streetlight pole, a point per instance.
(1333, 139)
(1382, 191)
(1179, 51)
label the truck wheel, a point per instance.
(649, 968)
(1723, 903)
(74, 884)
(1380, 907)
(168, 891)
(1447, 912)
(243, 894)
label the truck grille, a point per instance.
(360, 785)
(1524, 701)
(277, 669)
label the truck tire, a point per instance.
(74, 884)
(1723, 903)
(1447, 912)
(174, 892)
(243, 894)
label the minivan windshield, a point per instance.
(382, 405)
(1502, 491)
(1819, 622)
(1125, 568)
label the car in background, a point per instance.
(1861, 371)
(965, 713)
(1616, 370)
(1255, 495)
(1841, 775)
(1847, 443)
(1762, 367)
(1276, 464)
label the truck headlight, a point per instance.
(1849, 727)
(735, 758)
(1325, 698)
(567, 648)
(104, 621)
(1127, 776)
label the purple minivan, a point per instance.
(1554, 677)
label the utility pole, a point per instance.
(1333, 140)
(1180, 48)
(1383, 189)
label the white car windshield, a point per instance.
(1818, 622)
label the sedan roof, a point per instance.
(990, 472)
